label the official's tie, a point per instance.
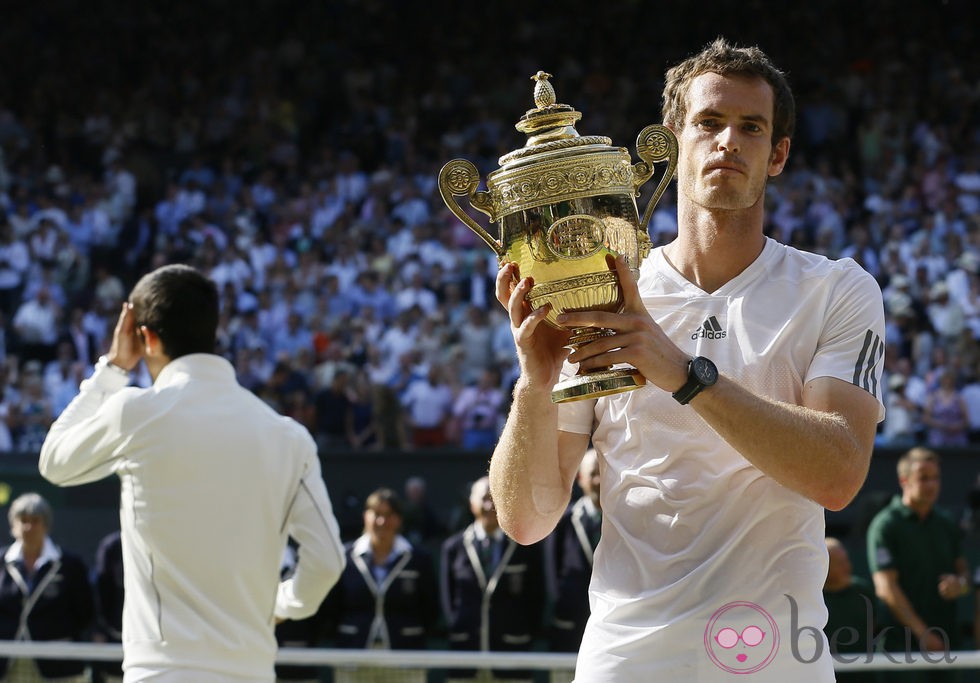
(486, 555)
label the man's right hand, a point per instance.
(540, 347)
(931, 642)
(127, 345)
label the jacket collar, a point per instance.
(49, 553)
(206, 366)
(479, 533)
(362, 546)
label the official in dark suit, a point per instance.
(387, 595)
(44, 593)
(492, 589)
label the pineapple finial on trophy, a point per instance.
(544, 92)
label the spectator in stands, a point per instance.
(15, 260)
(364, 427)
(971, 397)
(36, 326)
(368, 290)
(568, 563)
(945, 414)
(85, 343)
(32, 412)
(291, 338)
(415, 294)
(902, 421)
(387, 596)
(476, 343)
(478, 411)
(8, 398)
(44, 594)
(428, 403)
(491, 588)
(946, 315)
(478, 286)
(334, 414)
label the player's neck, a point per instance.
(713, 247)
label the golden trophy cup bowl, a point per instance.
(563, 203)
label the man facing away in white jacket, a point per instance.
(213, 483)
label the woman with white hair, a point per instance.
(44, 594)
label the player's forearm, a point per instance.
(812, 452)
(529, 489)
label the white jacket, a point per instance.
(213, 481)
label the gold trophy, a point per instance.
(564, 202)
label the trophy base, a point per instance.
(596, 384)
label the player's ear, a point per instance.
(151, 341)
(777, 160)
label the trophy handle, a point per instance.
(655, 144)
(457, 178)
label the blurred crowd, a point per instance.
(292, 153)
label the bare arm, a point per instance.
(820, 449)
(889, 591)
(534, 465)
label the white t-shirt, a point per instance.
(695, 539)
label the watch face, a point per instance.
(704, 370)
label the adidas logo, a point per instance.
(709, 329)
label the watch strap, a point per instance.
(694, 384)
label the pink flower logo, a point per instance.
(741, 638)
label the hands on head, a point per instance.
(127, 340)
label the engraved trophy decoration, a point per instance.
(563, 202)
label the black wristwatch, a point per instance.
(701, 373)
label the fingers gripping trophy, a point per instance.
(564, 203)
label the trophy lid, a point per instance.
(551, 126)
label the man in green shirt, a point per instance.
(918, 569)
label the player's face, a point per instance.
(726, 148)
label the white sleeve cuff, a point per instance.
(108, 377)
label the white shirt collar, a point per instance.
(480, 533)
(49, 552)
(362, 546)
